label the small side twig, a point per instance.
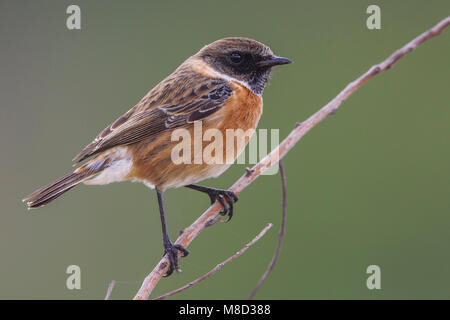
(218, 267)
(280, 236)
(110, 289)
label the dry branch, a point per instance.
(286, 145)
(280, 236)
(219, 266)
(110, 289)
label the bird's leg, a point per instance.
(221, 196)
(169, 248)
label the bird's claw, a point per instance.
(172, 253)
(226, 199)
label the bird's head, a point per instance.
(242, 59)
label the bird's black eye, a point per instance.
(236, 58)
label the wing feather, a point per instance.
(148, 118)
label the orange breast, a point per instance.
(241, 112)
(243, 109)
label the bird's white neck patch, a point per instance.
(208, 71)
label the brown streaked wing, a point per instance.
(205, 98)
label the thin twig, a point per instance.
(110, 289)
(285, 146)
(280, 236)
(219, 266)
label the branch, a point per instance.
(219, 266)
(110, 289)
(286, 145)
(280, 236)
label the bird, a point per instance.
(220, 87)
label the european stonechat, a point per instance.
(221, 86)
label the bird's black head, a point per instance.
(243, 59)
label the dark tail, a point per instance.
(46, 194)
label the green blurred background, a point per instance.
(369, 185)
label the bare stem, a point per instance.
(280, 236)
(110, 289)
(219, 266)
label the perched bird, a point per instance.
(221, 86)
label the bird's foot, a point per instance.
(226, 198)
(172, 253)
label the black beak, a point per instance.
(274, 61)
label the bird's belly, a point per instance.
(160, 163)
(183, 175)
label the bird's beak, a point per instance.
(274, 61)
